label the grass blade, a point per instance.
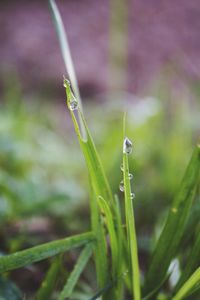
(188, 285)
(174, 227)
(66, 54)
(99, 187)
(192, 263)
(130, 225)
(104, 207)
(95, 168)
(64, 46)
(38, 253)
(49, 281)
(78, 269)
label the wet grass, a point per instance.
(113, 242)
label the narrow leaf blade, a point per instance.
(188, 285)
(130, 224)
(74, 276)
(48, 283)
(38, 253)
(174, 227)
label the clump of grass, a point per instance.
(113, 245)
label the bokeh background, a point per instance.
(137, 56)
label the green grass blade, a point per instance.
(174, 227)
(120, 236)
(130, 225)
(66, 54)
(38, 253)
(49, 281)
(192, 263)
(188, 285)
(100, 187)
(64, 45)
(105, 209)
(75, 274)
(95, 168)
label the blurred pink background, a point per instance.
(160, 33)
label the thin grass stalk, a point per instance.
(67, 57)
(26, 257)
(188, 285)
(130, 225)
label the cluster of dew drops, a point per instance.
(127, 148)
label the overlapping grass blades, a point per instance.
(105, 209)
(99, 187)
(75, 274)
(192, 263)
(192, 283)
(174, 227)
(130, 225)
(48, 284)
(99, 183)
(38, 253)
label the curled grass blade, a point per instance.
(38, 253)
(174, 227)
(188, 285)
(75, 274)
(49, 281)
(131, 232)
(119, 233)
(104, 207)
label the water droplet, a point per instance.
(121, 186)
(66, 82)
(73, 104)
(130, 176)
(132, 196)
(122, 167)
(127, 146)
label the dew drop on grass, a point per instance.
(66, 82)
(130, 176)
(132, 196)
(127, 146)
(73, 104)
(121, 186)
(122, 168)
(71, 100)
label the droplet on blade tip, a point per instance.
(66, 82)
(127, 146)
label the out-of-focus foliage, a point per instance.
(37, 164)
(42, 170)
